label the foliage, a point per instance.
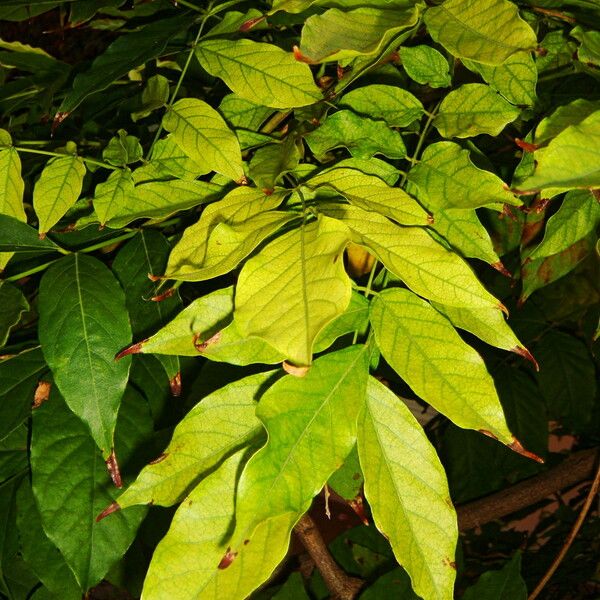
(244, 245)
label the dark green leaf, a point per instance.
(12, 305)
(505, 584)
(16, 236)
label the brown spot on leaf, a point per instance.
(42, 392)
(267, 192)
(522, 351)
(246, 542)
(449, 563)
(113, 469)
(202, 346)
(109, 510)
(430, 219)
(227, 559)
(158, 459)
(42, 235)
(517, 447)
(164, 295)
(295, 370)
(243, 180)
(133, 349)
(175, 384)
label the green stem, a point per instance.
(30, 271)
(91, 161)
(110, 242)
(189, 5)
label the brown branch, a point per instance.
(341, 585)
(574, 469)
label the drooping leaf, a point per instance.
(311, 425)
(503, 584)
(262, 73)
(371, 193)
(425, 266)
(83, 324)
(294, 287)
(197, 255)
(187, 557)
(578, 215)
(425, 350)
(39, 552)
(124, 54)
(426, 66)
(11, 188)
(220, 424)
(339, 35)
(123, 149)
(12, 305)
(571, 159)
(363, 137)
(113, 195)
(405, 484)
(473, 109)
(390, 103)
(71, 486)
(488, 31)
(57, 190)
(204, 136)
(18, 237)
(447, 178)
(515, 78)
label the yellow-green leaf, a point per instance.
(426, 65)
(11, 191)
(405, 484)
(262, 73)
(204, 136)
(426, 351)
(113, 195)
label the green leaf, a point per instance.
(405, 484)
(124, 54)
(392, 104)
(589, 51)
(567, 377)
(71, 486)
(348, 480)
(123, 149)
(426, 66)
(220, 424)
(83, 324)
(204, 136)
(159, 199)
(424, 349)
(515, 78)
(336, 35)
(39, 552)
(292, 589)
(394, 584)
(410, 253)
(564, 116)
(19, 237)
(369, 166)
(14, 459)
(19, 376)
(197, 254)
(488, 31)
(187, 557)
(571, 159)
(262, 73)
(306, 444)
(363, 137)
(578, 215)
(294, 287)
(9, 543)
(57, 190)
(12, 305)
(371, 193)
(446, 178)
(504, 584)
(270, 162)
(473, 109)
(112, 196)
(242, 113)
(11, 191)
(154, 96)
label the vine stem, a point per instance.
(92, 161)
(572, 534)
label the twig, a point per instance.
(554, 13)
(572, 534)
(341, 585)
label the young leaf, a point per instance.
(11, 190)
(371, 193)
(185, 562)
(83, 324)
(262, 73)
(71, 486)
(123, 149)
(216, 427)
(447, 178)
(13, 304)
(311, 425)
(405, 484)
(363, 137)
(504, 584)
(336, 35)
(57, 190)
(113, 195)
(410, 253)
(473, 109)
(203, 135)
(426, 66)
(424, 349)
(488, 31)
(297, 284)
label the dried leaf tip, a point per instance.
(358, 506)
(300, 57)
(154, 278)
(526, 146)
(517, 447)
(250, 23)
(503, 308)
(202, 346)
(501, 269)
(59, 117)
(109, 510)
(163, 296)
(227, 559)
(113, 469)
(296, 371)
(133, 349)
(522, 351)
(175, 384)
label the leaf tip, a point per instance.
(517, 447)
(358, 506)
(522, 351)
(503, 308)
(42, 235)
(227, 559)
(59, 117)
(501, 269)
(202, 346)
(113, 469)
(525, 146)
(296, 371)
(250, 23)
(175, 384)
(154, 278)
(164, 295)
(301, 57)
(133, 349)
(109, 510)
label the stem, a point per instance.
(109, 242)
(572, 534)
(92, 161)
(30, 271)
(275, 121)
(189, 5)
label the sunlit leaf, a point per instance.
(405, 485)
(113, 195)
(564, 116)
(11, 188)
(123, 149)
(426, 66)
(270, 162)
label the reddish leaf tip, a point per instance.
(250, 23)
(154, 278)
(295, 370)
(522, 351)
(517, 447)
(488, 433)
(175, 384)
(358, 506)
(109, 510)
(227, 559)
(164, 295)
(503, 308)
(502, 269)
(301, 57)
(526, 146)
(59, 117)
(133, 349)
(113, 469)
